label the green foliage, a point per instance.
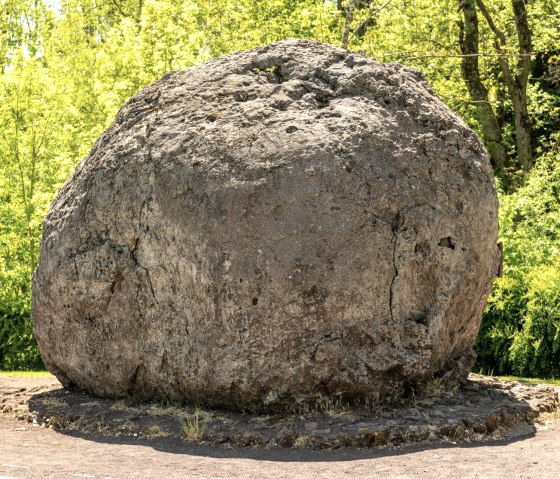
(535, 351)
(501, 321)
(520, 331)
(18, 350)
(194, 425)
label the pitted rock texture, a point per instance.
(275, 227)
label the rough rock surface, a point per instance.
(271, 228)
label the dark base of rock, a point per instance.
(397, 390)
(483, 408)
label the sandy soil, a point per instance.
(30, 450)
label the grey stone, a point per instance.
(272, 228)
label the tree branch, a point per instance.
(119, 8)
(348, 23)
(371, 13)
(500, 45)
(469, 44)
(491, 24)
(516, 84)
(524, 37)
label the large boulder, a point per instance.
(276, 227)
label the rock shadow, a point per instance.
(484, 410)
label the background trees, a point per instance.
(66, 66)
(520, 332)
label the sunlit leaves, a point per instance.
(520, 332)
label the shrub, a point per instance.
(520, 330)
(18, 349)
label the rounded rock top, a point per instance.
(272, 229)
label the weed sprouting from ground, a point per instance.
(194, 425)
(332, 407)
(301, 441)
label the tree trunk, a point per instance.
(523, 130)
(139, 14)
(516, 82)
(522, 119)
(491, 131)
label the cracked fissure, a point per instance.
(150, 284)
(141, 229)
(396, 270)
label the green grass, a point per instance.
(551, 382)
(24, 373)
(194, 425)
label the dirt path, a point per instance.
(43, 453)
(28, 451)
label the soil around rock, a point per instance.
(483, 409)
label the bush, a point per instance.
(520, 330)
(18, 349)
(535, 350)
